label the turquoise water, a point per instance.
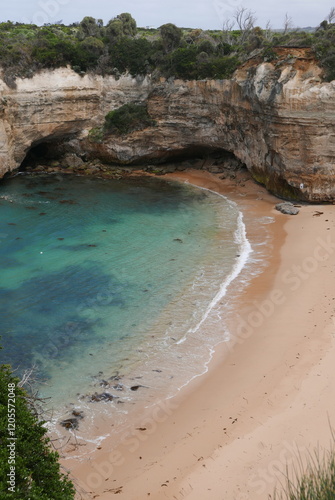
(102, 278)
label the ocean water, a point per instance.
(110, 286)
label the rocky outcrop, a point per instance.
(57, 106)
(276, 117)
(287, 208)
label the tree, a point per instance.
(171, 36)
(114, 30)
(120, 26)
(331, 15)
(89, 27)
(268, 34)
(288, 23)
(129, 27)
(323, 25)
(227, 28)
(245, 20)
(36, 474)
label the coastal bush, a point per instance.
(37, 473)
(171, 36)
(324, 46)
(190, 63)
(169, 51)
(132, 55)
(128, 118)
(90, 27)
(123, 25)
(316, 481)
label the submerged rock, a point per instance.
(70, 423)
(118, 387)
(73, 422)
(105, 396)
(136, 387)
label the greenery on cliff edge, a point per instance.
(169, 51)
(28, 465)
(123, 120)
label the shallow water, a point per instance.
(122, 279)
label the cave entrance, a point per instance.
(215, 160)
(46, 151)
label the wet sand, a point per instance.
(267, 400)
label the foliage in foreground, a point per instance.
(315, 482)
(37, 471)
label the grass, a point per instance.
(314, 480)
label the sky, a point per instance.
(204, 14)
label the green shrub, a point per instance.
(190, 64)
(132, 55)
(316, 481)
(169, 51)
(218, 68)
(37, 471)
(128, 118)
(269, 54)
(324, 47)
(96, 134)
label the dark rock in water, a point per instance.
(118, 387)
(70, 423)
(68, 202)
(105, 396)
(78, 413)
(178, 239)
(135, 387)
(104, 383)
(42, 213)
(287, 208)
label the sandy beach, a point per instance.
(267, 400)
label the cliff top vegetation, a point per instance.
(120, 47)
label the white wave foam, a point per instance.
(245, 251)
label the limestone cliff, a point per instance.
(277, 117)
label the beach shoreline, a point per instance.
(267, 396)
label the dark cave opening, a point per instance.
(58, 153)
(35, 155)
(45, 151)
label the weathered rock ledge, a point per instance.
(276, 117)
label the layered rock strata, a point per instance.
(276, 117)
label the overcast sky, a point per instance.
(205, 14)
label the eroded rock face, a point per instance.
(57, 105)
(276, 117)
